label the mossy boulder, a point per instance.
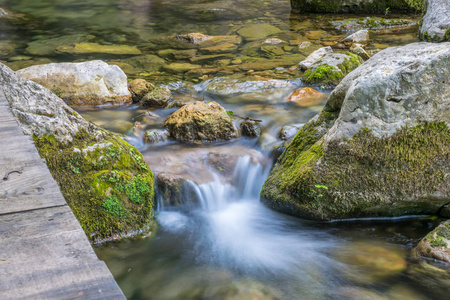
(435, 25)
(356, 6)
(47, 47)
(104, 180)
(200, 121)
(159, 96)
(139, 88)
(380, 147)
(436, 244)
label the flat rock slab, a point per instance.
(44, 253)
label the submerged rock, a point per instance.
(254, 32)
(373, 23)
(379, 148)
(179, 68)
(370, 263)
(94, 48)
(87, 83)
(200, 121)
(435, 26)
(104, 180)
(139, 88)
(436, 244)
(227, 86)
(159, 96)
(306, 97)
(47, 47)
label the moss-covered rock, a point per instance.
(139, 88)
(200, 121)
(94, 48)
(356, 6)
(436, 244)
(104, 180)
(159, 96)
(331, 68)
(379, 148)
(254, 32)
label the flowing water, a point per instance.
(219, 241)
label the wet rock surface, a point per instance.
(159, 96)
(200, 121)
(382, 106)
(104, 180)
(436, 244)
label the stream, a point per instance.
(219, 241)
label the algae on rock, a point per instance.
(104, 180)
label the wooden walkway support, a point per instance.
(44, 253)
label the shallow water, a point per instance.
(222, 243)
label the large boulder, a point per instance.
(104, 180)
(435, 26)
(86, 83)
(200, 121)
(357, 6)
(436, 244)
(379, 148)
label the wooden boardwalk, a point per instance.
(44, 253)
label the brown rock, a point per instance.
(139, 88)
(157, 97)
(200, 121)
(306, 97)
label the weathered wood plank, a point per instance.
(44, 253)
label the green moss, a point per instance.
(376, 176)
(325, 74)
(107, 184)
(438, 242)
(330, 75)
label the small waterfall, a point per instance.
(248, 178)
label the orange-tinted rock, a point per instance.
(306, 97)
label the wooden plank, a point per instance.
(44, 253)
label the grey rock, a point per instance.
(86, 83)
(159, 96)
(155, 136)
(436, 244)
(397, 87)
(44, 113)
(360, 37)
(289, 131)
(435, 25)
(314, 57)
(359, 50)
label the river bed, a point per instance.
(221, 242)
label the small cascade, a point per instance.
(247, 181)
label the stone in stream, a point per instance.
(436, 244)
(250, 128)
(359, 37)
(289, 131)
(372, 23)
(359, 50)
(379, 148)
(86, 83)
(356, 6)
(156, 136)
(306, 96)
(200, 121)
(254, 32)
(173, 54)
(94, 48)
(323, 66)
(179, 68)
(47, 47)
(104, 180)
(140, 88)
(369, 263)
(159, 96)
(435, 26)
